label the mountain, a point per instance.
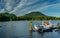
(35, 14)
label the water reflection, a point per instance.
(20, 29)
(58, 31)
(30, 34)
(41, 34)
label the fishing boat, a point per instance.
(46, 26)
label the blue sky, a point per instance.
(22, 7)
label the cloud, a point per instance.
(21, 7)
(52, 6)
(2, 11)
(24, 8)
(51, 10)
(30, 5)
(11, 4)
(24, 4)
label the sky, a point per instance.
(22, 7)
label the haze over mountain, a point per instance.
(22, 7)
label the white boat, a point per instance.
(36, 27)
(44, 26)
(47, 25)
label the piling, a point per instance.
(31, 29)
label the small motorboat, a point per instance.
(45, 27)
(36, 27)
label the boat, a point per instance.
(45, 27)
(58, 25)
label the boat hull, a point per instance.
(46, 30)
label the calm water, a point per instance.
(20, 29)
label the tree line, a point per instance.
(13, 17)
(38, 18)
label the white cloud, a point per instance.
(7, 6)
(24, 3)
(25, 6)
(20, 5)
(2, 11)
(10, 4)
(34, 7)
(50, 6)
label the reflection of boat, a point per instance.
(0, 26)
(46, 26)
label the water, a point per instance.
(20, 29)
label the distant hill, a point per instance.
(35, 14)
(7, 17)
